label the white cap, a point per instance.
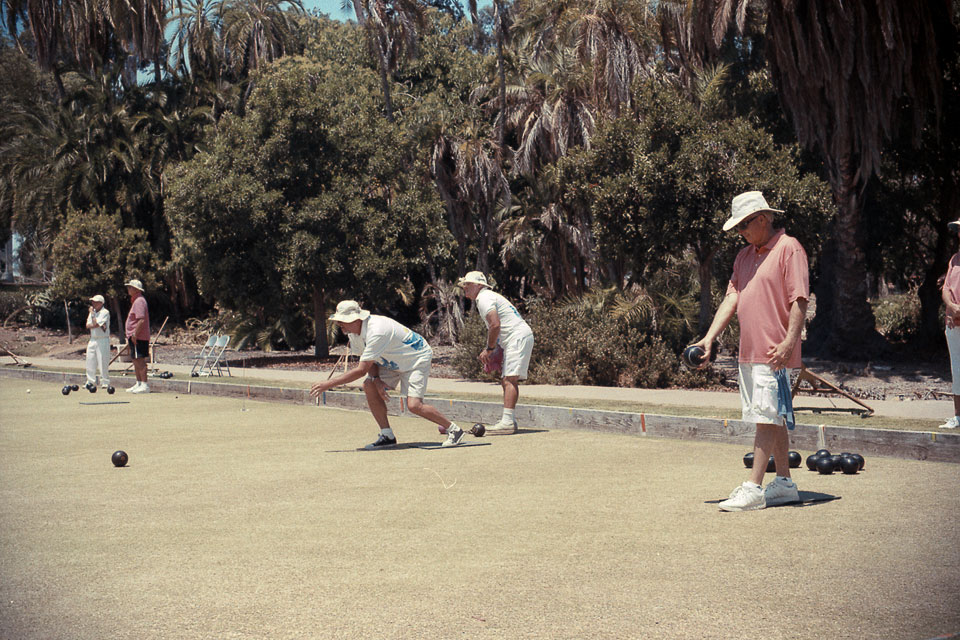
(97, 298)
(348, 311)
(745, 205)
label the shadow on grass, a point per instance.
(807, 498)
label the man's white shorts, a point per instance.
(413, 383)
(953, 345)
(516, 356)
(758, 394)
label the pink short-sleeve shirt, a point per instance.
(138, 310)
(768, 281)
(951, 283)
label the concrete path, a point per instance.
(934, 410)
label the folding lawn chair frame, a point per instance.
(217, 361)
(200, 360)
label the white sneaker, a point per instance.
(142, 388)
(454, 436)
(502, 428)
(744, 498)
(781, 491)
(952, 423)
(133, 388)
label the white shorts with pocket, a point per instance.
(413, 383)
(516, 356)
(758, 394)
(953, 345)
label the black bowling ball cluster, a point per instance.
(794, 457)
(826, 463)
(67, 388)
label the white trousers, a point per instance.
(98, 357)
(953, 344)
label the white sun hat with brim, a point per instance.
(98, 298)
(744, 206)
(954, 226)
(348, 311)
(136, 284)
(474, 277)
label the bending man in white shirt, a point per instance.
(507, 329)
(390, 354)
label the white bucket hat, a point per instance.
(348, 311)
(744, 206)
(136, 284)
(474, 277)
(98, 298)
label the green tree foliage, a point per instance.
(93, 254)
(663, 185)
(304, 198)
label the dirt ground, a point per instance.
(901, 378)
(239, 519)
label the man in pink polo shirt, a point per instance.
(138, 335)
(768, 291)
(951, 298)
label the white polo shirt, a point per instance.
(390, 344)
(102, 318)
(512, 325)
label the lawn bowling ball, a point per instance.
(849, 465)
(821, 453)
(771, 465)
(66, 390)
(748, 460)
(693, 356)
(92, 388)
(75, 387)
(795, 459)
(110, 390)
(812, 462)
(119, 458)
(825, 465)
(836, 461)
(194, 374)
(859, 459)
(478, 429)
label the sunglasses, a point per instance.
(746, 223)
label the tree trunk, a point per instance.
(847, 327)
(321, 348)
(385, 86)
(704, 272)
(501, 74)
(118, 326)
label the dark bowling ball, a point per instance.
(66, 390)
(795, 459)
(119, 458)
(75, 387)
(821, 453)
(849, 465)
(110, 390)
(836, 461)
(693, 356)
(825, 465)
(771, 465)
(859, 459)
(812, 462)
(748, 460)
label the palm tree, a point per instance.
(195, 45)
(392, 28)
(843, 72)
(256, 32)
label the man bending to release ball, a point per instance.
(768, 291)
(391, 354)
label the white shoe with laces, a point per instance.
(952, 423)
(454, 436)
(502, 428)
(133, 388)
(746, 497)
(781, 491)
(143, 388)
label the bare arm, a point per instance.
(493, 334)
(356, 373)
(780, 354)
(953, 310)
(720, 321)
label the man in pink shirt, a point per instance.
(138, 335)
(951, 298)
(768, 291)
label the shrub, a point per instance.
(898, 316)
(473, 338)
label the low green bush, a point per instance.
(898, 316)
